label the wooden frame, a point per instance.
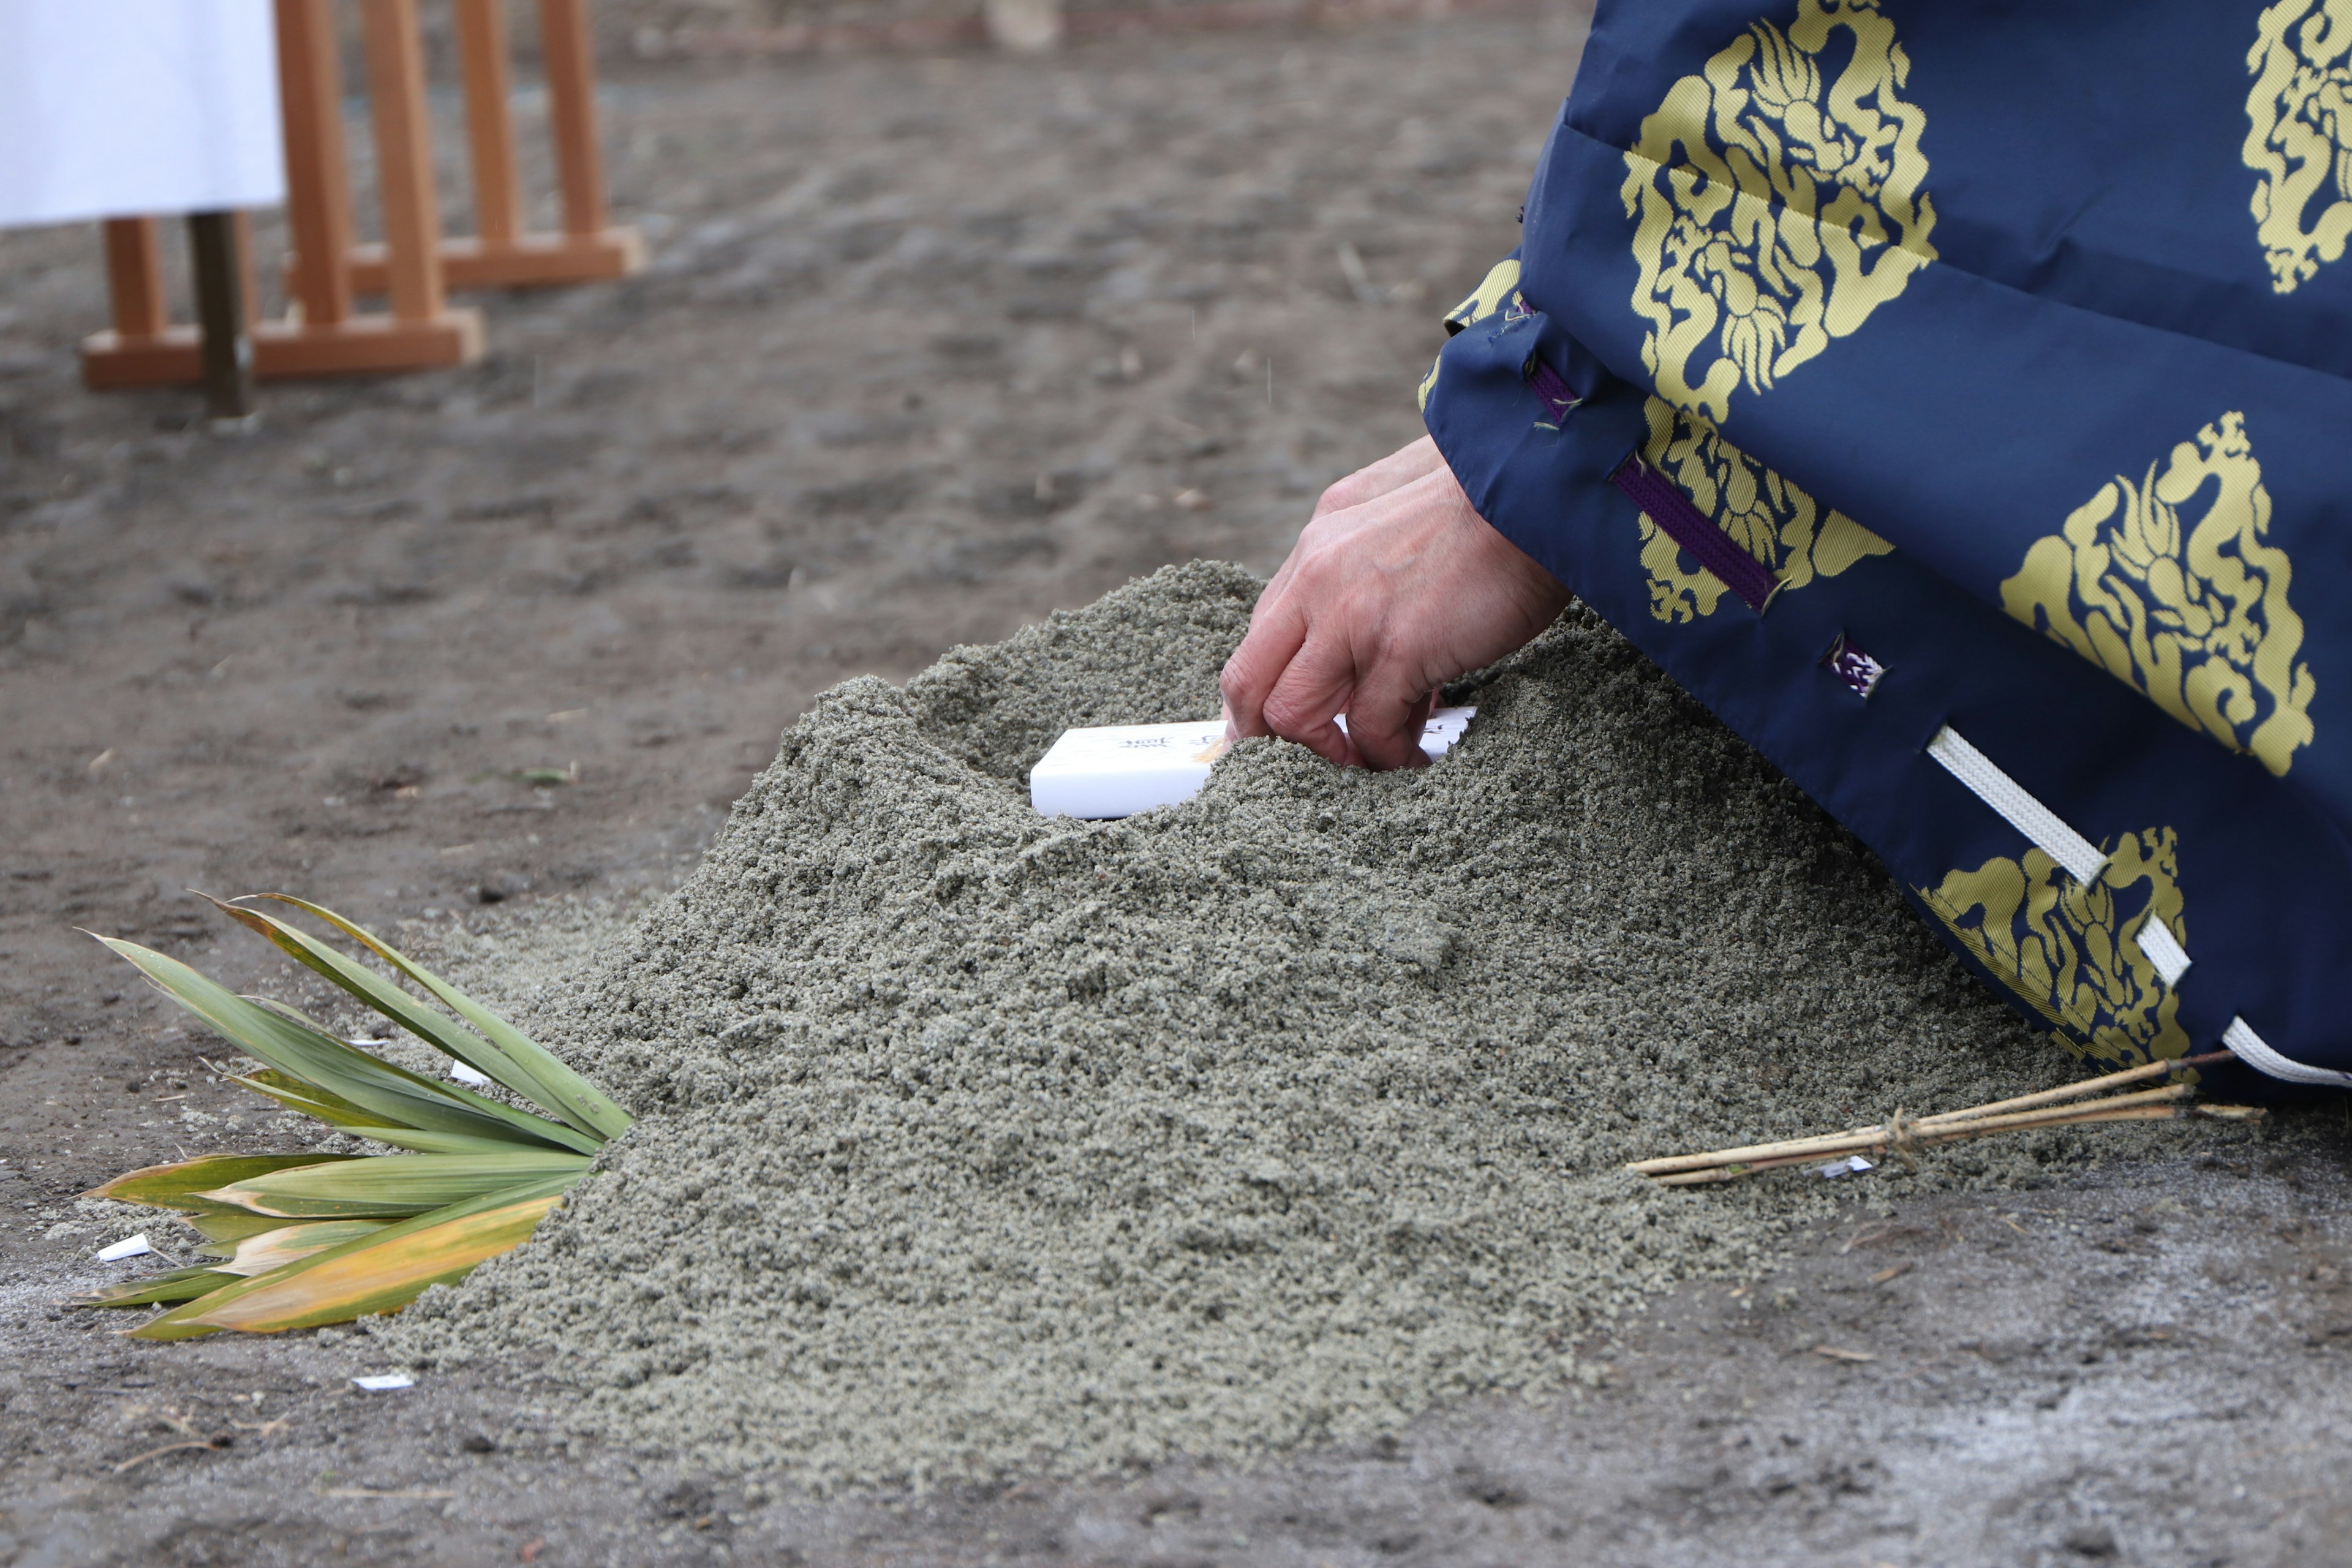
(498, 254)
(320, 334)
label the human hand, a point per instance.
(1396, 586)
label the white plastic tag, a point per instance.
(383, 1381)
(1118, 770)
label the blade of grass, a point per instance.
(578, 1101)
(179, 1185)
(407, 1098)
(392, 1184)
(444, 1034)
(419, 1142)
(311, 1100)
(179, 1285)
(381, 1273)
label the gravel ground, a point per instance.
(933, 347)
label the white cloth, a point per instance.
(123, 108)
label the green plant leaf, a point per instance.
(394, 1184)
(182, 1186)
(405, 1097)
(229, 1227)
(275, 1248)
(576, 1099)
(311, 1100)
(179, 1285)
(381, 1273)
(443, 1032)
(420, 1143)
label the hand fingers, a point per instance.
(1276, 630)
(1305, 702)
(1386, 724)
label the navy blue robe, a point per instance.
(1952, 397)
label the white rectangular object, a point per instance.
(1118, 770)
(383, 1381)
(125, 108)
(467, 1074)
(129, 1247)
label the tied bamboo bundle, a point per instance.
(2070, 1105)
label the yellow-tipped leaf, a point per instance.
(275, 1248)
(382, 1273)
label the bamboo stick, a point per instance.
(2085, 1087)
(1832, 1143)
(2064, 1117)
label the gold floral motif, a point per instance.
(1500, 286)
(2299, 135)
(2067, 949)
(1766, 515)
(1778, 207)
(2170, 586)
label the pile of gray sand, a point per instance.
(971, 1140)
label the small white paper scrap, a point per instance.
(466, 1074)
(129, 1247)
(383, 1381)
(1118, 770)
(1853, 1164)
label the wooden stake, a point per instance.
(135, 278)
(563, 44)
(403, 157)
(490, 120)
(318, 182)
(227, 350)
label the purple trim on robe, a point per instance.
(1664, 504)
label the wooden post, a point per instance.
(225, 349)
(135, 278)
(403, 158)
(498, 254)
(318, 178)
(490, 123)
(572, 113)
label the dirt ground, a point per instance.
(930, 347)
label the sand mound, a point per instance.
(973, 1139)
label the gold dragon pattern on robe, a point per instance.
(2299, 136)
(1499, 288)
(1776, 206)
(2171, 586)
(2069, 950)
(1794, 535)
